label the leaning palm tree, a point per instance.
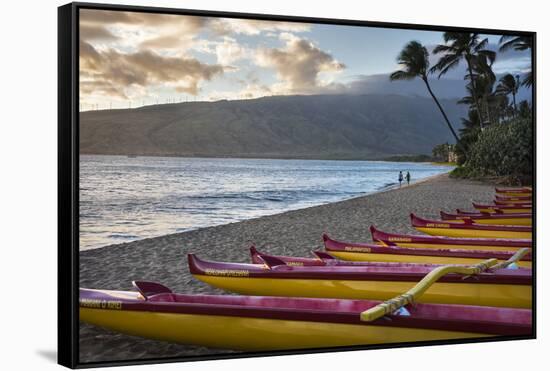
(518, 43)
(507, 85)
(460, 46)
(415, 63)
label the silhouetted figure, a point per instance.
(400, 178)
(408, 177)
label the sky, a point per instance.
(131, 59)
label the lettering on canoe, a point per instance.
(357, 249)
(226, 272)
(400, 239)
(296, 264)
(437, 225)
(101, 304)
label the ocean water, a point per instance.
(124, 199)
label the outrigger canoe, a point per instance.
(427, 254)
(501, 288)
(512, 199)
(271, 323)
(445, 228)
(327, 259)
(514, 192)
(504, 209)
(513, 203)
(486, 218)
(439, 242)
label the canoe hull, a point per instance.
(515, 194)
(421, 259)
(474, 233)
(506, 211)
(500, 221)
(495, 295)
(439, 246)
(241, 333)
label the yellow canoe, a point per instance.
(503, 209)
(444, 228)
(421, 254)
(504, 288)
(491, 219)
(266, 324)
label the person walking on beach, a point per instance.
(400, 178)
(408, 177)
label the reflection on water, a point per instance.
(124, 199)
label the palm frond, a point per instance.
(528, 80)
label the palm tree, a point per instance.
(465, 46)
(414, 59)
(507, 85)
(518, 43)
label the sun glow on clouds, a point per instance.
(127, 56)
(132, 59)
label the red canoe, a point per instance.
(275, 323)
(453, 229)
(514, 190)
(431, 253)
(486, 218)
(501, 287)
(513, 198)
(513, 203)
(410, 240)
(321, 259)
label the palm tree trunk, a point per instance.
(425, 79)
(476, 103)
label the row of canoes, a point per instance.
(351, 293)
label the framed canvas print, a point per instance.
(235, 185)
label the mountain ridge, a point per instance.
(361, 126)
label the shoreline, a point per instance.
(257, 157)
(297, 232)
(380, 190)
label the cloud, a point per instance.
(176, 35)
(298, 64)
(224, 26)
(230, 51)
(91, 32)
(114, 73)
(145, 30)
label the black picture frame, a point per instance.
(68, 176)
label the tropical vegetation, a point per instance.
(495, 138)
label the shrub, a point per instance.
(502, 150)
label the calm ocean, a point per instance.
(124, 199)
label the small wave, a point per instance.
(273, 196)
(387, 185)
(123, 236)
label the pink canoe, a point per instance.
(433, 253)
(410, 240)
(238, 322)
(452, 229)
(501, 287)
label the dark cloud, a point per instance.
(90, 32)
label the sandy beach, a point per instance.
(163, 259)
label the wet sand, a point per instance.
(163, 259)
